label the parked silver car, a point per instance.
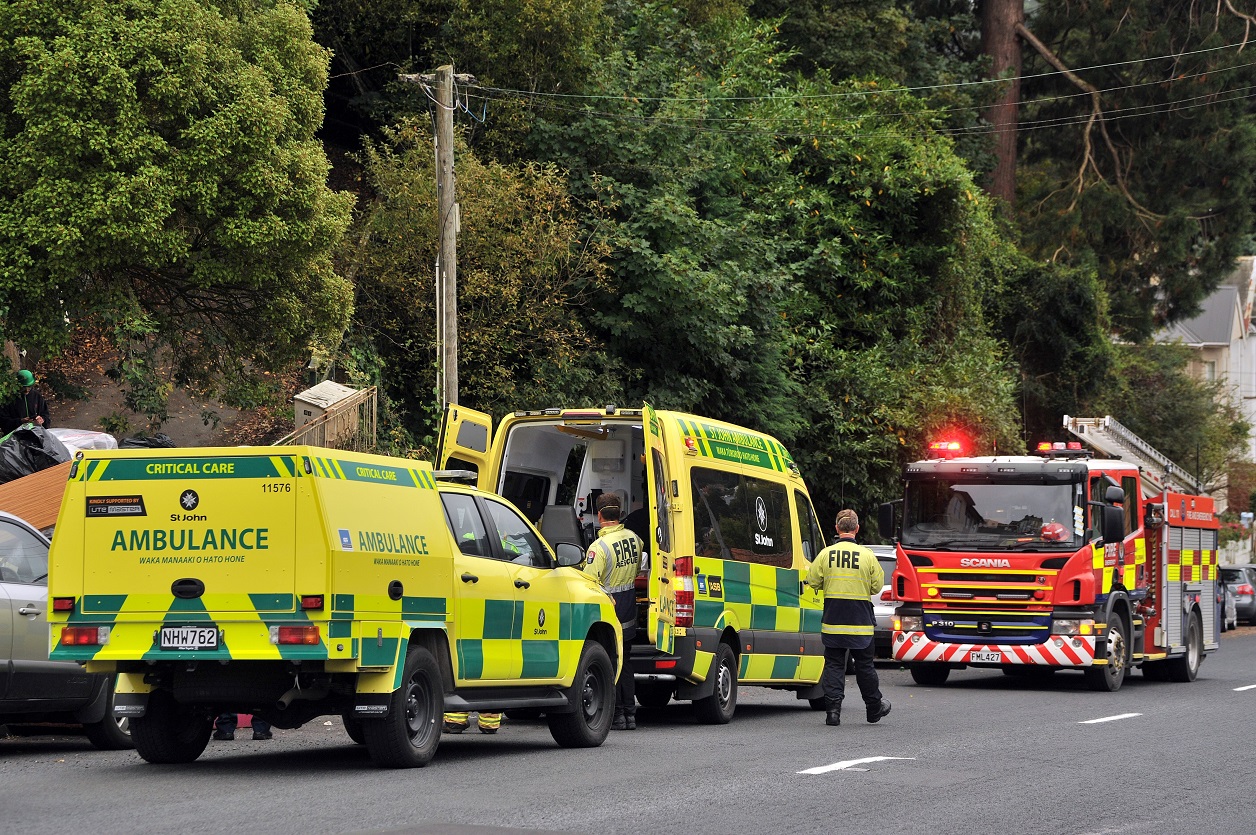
(34, 689)
(883, 606)
(1241, 579)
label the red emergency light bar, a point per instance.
(945, 449)
(1065, 449)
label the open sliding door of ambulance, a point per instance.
(662, 547)
(466, 436)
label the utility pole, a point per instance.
(447, 252)
(447, 227)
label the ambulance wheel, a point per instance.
(594, 689)
(110, 733)
(717, 708)
(168, 732)
(1109, 677)
(929, 675)
(353, 727)
(653, 694)
(408, 736)
(1186, 667)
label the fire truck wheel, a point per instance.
(930, 675)
(1109, 677)
(1186, 667)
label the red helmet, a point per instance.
(1054, 532)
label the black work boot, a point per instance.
(876, 713)
(619, 723)
(630, 720)
(834, 715)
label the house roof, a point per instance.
(1216, 324)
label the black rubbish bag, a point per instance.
(157, 441)
(29, 449)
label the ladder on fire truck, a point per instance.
(1112, 440)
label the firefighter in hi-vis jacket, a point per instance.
(614, 559)
(849, 574)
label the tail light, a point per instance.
(84, 636)
(1246, 588)
(886, 595)
(684, 590)
(63, 604)
(311, 601)
(302, 635)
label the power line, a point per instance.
(862, 93)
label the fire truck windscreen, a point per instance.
(954, 515)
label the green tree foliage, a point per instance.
(1191, 421)
(693, 316)
(525, 270)
(1154, 194)
(159, 172)
(896, 258)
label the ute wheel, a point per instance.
(929, 675)
(1109, 677)
(594, 689)
(168, 732)
(717, 708)
(110, 733)
(353, 727)
(653, 694)
(1186, 667)
(408, 736)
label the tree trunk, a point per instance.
(999, 19)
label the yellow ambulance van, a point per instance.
(297, 582)
(726, 519)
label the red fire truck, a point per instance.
(1057, 561)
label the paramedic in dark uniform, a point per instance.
(849, 575)
(614, 560)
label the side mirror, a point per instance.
(885, 521)
(1113, 522)
(569, 555)
(1114, 495)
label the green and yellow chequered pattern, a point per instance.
(765, 599)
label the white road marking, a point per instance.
(1248, 687)
(1109, 718)
(847, 764)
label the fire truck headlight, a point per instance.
(1073, 626)
(908, 623)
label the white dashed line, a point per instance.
(848, 764)
(1248, 687)
(1109, 718)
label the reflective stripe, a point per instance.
(845, 629)
(625, 587)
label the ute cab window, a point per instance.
(958, 515)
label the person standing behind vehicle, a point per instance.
(28, 406)
(849, 575)
(614, 559)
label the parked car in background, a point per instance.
(1241, 580)
(1225, 604)
(883, 604)
(33, 689)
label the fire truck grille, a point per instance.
(991, 627)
